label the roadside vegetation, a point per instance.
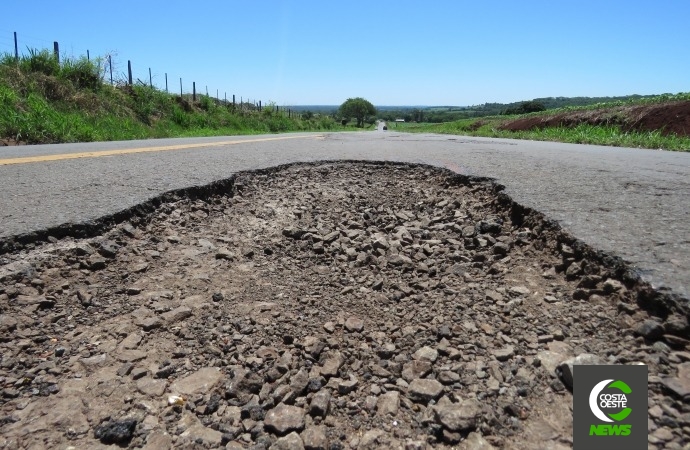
(46, 101)
(439, 114)
(661, 122)
(43, 101)
(582, 134)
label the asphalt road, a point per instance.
(629, 202)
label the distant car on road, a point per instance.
(385, 128)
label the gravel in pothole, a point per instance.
(328, 306)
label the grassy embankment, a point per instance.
(42, 101)
(581, 133)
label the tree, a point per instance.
(526, 107)
(358, 108)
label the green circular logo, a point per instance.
(610, 401)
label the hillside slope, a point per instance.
(669, 118)
(43, 101)
(661, 122)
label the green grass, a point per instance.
(581, 134)
(682, 96)
(42, 101)
(612, 135)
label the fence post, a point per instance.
(206, 91)
(150, 78)
(193, 91)
(88, 57)
(226, 99)
(129, 71)
(180, 87)
(259, 105)
(16, 48)
(166, 84)
(233, 100)
(56, 50)
(110, 64)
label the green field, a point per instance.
(613, 135)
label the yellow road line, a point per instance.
(126, 151)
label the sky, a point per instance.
(304, 52)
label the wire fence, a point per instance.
(110, 74)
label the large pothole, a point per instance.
(333, 306)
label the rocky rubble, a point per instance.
(326, 306)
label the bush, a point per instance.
(42, 61)
(279, 123)
(206, 103)
(526, 107)
(82, 73)
(7, 59)
(180, 117)
(149, 102)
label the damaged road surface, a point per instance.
(326, 306)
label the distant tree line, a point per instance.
(437, 114)
(526, 107)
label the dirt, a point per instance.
(184, 103)
(5, 142)
(476, 125)
(325, 306)
(668, 118)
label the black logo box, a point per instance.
(592, 433)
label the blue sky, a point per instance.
(391, 52)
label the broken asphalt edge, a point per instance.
(660, 302)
